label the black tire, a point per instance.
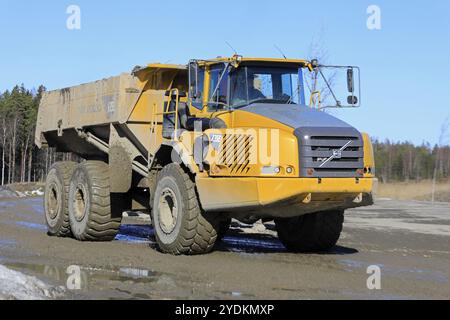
(56, 199)
(90, 204)
(180, 225)
(224, 226)
(312, 232)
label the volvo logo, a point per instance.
(337, 154)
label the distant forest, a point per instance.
(21, 161)
(403, 161)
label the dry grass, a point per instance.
(414, 190)
(23, 187)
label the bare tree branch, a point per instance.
(317, 50)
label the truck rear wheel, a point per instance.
(312, 232)
(181, 227)
(90, 210)
(56, 198)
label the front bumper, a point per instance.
(295, 195)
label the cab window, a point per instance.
(218, 89)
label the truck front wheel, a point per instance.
(181, 227)
(92, 217)
(56, 198)
(312, 232)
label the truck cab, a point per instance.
(268, 121)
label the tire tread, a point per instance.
(101, 226)
(198, 234)
(64, 170)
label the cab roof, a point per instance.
(260, 59)
(236, 59)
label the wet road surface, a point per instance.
(408, 241)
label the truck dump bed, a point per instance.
(93, 104)
(91, 118)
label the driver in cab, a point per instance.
(243, 86)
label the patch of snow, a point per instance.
(15, 285)
(256, 228)
(137, 215)
(34, 193)
(8, 192)
(38, 192)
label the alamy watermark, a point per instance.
(374, 17)
(73, 21)
(74, 279)
(374, 280)
(224, 147)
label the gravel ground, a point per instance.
(408, 240)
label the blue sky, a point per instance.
(405, 66)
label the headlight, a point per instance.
(270, 170)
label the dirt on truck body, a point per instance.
(198, 145)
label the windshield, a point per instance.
(264, 85)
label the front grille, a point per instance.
(330, 152)
(235, 153)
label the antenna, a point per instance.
(234, 50)
(276, 47)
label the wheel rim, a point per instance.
(52, 201)
(79, 203)
(167, 211)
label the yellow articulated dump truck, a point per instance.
(199, 144)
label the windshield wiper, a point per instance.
(261, 100)
(290, 100)
(220, 80)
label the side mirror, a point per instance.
(352, 100)
(193, 80)
(350, 80)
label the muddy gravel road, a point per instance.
(408, 241)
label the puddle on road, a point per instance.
(35, 203)
(135, 234)
(6, 243)
(38, 209)
(251, 245)
(419, 274)
(32, 225)
(127, 233)
(237, 295)
(7, 204)
(83, 280)
(374, 295)
(242, 243)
